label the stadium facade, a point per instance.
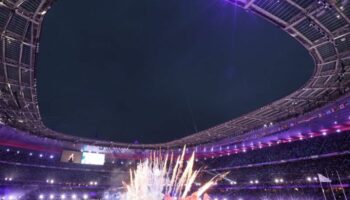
(278, 150)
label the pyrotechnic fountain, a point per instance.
(166, 177)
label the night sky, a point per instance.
(157, 70)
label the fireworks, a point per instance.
(166, 178)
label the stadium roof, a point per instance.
(322, 27)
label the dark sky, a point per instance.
(158, 70)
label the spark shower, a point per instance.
(166, 177)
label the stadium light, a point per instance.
(41, 196)
(74, 196)
(51, 181)
(63, 196)
(52, 196)
(279, 180)
(85, 196)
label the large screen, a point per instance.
(93, 158)
(71, 156)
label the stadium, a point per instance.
(297, 147)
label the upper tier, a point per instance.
(322, 27)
